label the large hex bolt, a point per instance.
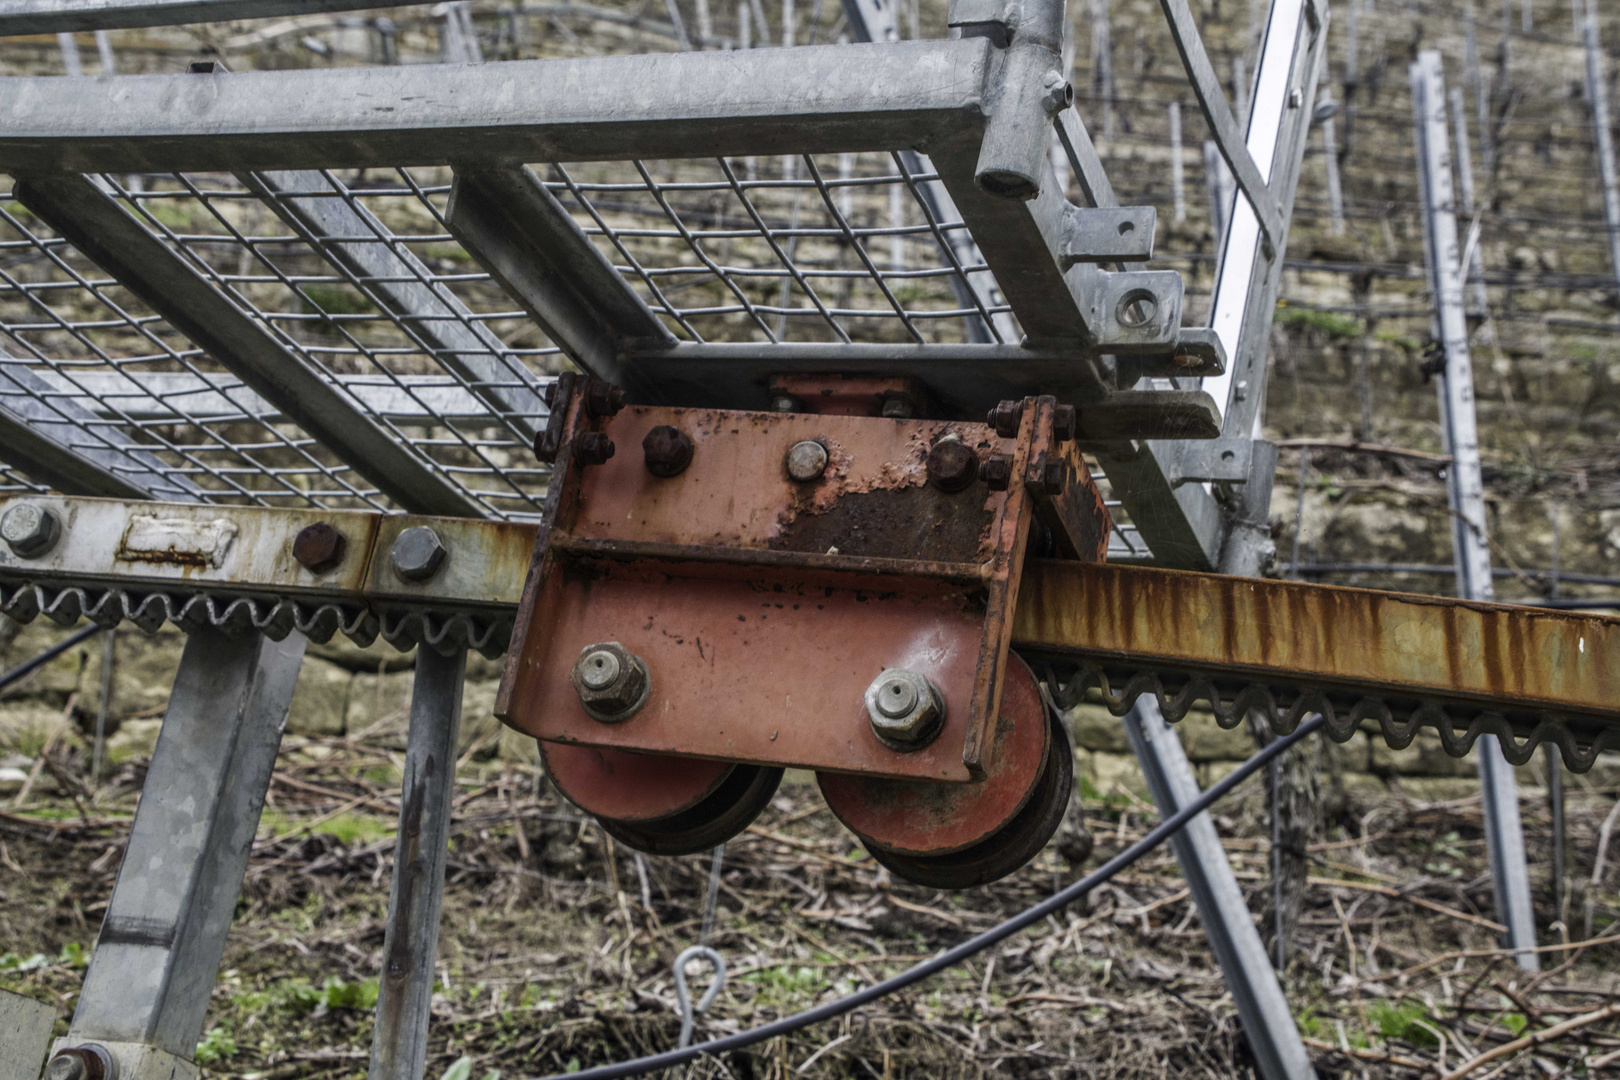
(418, 553)
(603, 399)
(319, 547)
(906, 709)
(952, 465)
(668, 450)
(87, 1061)
(30, 530)
(612, 682)
(806, 461)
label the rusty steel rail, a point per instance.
(1290, 649)
(1401, 660)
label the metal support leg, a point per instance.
(1261, 1004)
(399, 1043)
(146, 994)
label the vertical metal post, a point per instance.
(1178, 177)
(1330, 158)
(1240, 92)
(1262, 1007)
(1102, 67)
(1504, 833)
(1465, 192)
(72, 63)
(146, 992)
(1482, 103)
(1221, 189)
(399, 1043)
(1352, 50)
(109, 656)
(104, 51)
(1597, 98)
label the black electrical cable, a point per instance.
(47, 656)
(950, 957)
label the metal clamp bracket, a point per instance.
(1107, 234)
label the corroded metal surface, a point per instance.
(1288, 648)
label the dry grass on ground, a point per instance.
(555, 954)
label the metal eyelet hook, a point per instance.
(717, 982)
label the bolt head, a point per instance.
(952, 465)
(603, 399)
(1065, 423)
(806, 461)
(1054, 477)
(668, 450)
(418, 553)
(997, 472)
(1005, 418)
(612, 682)
(593, 448)
(898, 408)
(905, 708)
(29, 529)
(784, 403)
(319, 547)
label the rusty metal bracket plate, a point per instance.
(764, 606)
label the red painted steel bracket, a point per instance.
(764, 606)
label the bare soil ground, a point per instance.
(555, 952)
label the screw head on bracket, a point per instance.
(418, 553)
(319, 547)
(997, 472)
(87, 1061)
(905, 708)
(952, 465)
(806, 461)
(1005, 418)
(612, 682)
(593, 448)
(668, 450)
(29, 529)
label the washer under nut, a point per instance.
(906, 709)
(613, 683)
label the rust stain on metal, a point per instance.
(1371, 641)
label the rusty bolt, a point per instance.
(612, 682)
(603, 399)
(898, 407)
(592, 448)
(806, 461)
(1065, 424)
(905, 709)
(997, 472)
(1054, 477)
(319, 547)
(1005, 418)
(87, 1061)
(668, 450)
(418, 553)
(952, 464)
(29, 529)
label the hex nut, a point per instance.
(668, 450)
(1054, 477)
(87, 1061)
(1005, 418)
(806, 461)
(319, 547)
(593, 448)
(905, 708)
(29, 529)
(603, 399)
(612, 682)
(418, 553)
(997, 472)
(952, 465)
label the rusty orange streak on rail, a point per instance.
(1372, 641)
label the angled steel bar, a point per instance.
(57, 16)
(410, 944)
(532, 247)
(158, 952)
(59, 442)
(1261, 1004)
(816, 99)
(96, 225)
(1504, 833)
(352, 237)
(1250, 177)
